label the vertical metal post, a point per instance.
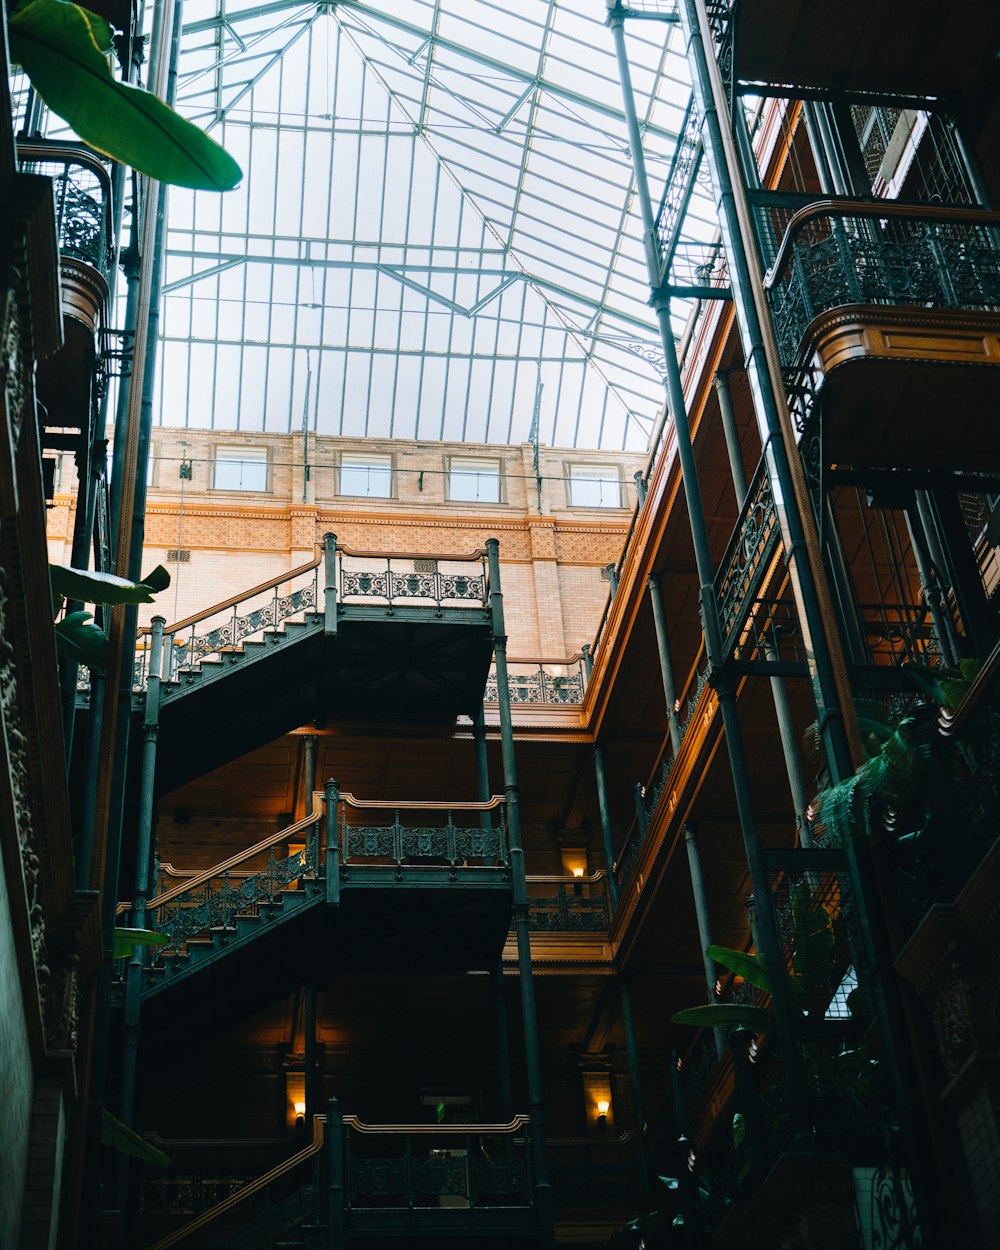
(704, 925)
(330, 585)
(635, 1079)
(334, 1143)
(602, 802)
(666, 666)
(332, 797)
(543, 1188)
(143, 858)
(772, 951)
(482, 765)
(830, 682)
(721, 381)
(588, 660)
(502, 1043)
(641, 486)
(311, 1065)
(308, 772)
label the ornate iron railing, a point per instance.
(399, 580)
(838, 253)
(237, 887)
(224, 627)
(82, 187)
(409, 1167)
(273, 1203)
(477, 837)
(580, 905)
(679, 185)
(748, 557)
(551, 683)
(359, 578)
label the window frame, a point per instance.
(496, 463)
(585, 473)
(382, 461)
(255, 456)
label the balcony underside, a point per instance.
(922, 48)
(66, 379)
(422, 924)
(908, 387)
(408, 668)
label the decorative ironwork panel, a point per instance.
(835, 259)
(443, 1174)
(378, 1179)
(485, 844)
(568, 912)
(226, 637)
(427, 843)
(540, 686)
(371, 842)
(680, 183)
(462, 586)
(747, 558)
(366, 585)
(500, 1181)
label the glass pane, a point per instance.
(368, 476)
(597, 487)
(474, 481)
(236, 469)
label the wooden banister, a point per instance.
(252, 1187)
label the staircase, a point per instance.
(348, 635)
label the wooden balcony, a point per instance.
(887, 318)
(924, 48)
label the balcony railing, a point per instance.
(414, 1168)
(82, 187)
(551, 683)
(410, 838)
(579, 905)
(842, 252)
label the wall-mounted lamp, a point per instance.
(603, 1107)
(300, 1115)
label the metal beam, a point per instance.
(397, 272)
(446, 45)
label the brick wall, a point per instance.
(230, 540)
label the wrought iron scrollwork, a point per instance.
(747, 558)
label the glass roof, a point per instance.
(436, 236)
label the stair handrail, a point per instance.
(220, 869)
(233, 600)
(479, 553)
(457, 1130)
(249, 1189)
(421, 805)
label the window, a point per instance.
(366, 473)
(594, 486)
(474, 481)
(240, 468)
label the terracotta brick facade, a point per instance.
(230, 540)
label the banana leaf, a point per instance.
(89, 587)
(749, 967)
(120, 1137)
(719, 1015)
(126, 940)
(62, 48)
(76, 640)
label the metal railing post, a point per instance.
(666, 666)
(335, 1180)
(606, 832)
(331, 791)
(542, 1185)
(330, 586)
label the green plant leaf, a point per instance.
(59, 46)
(126, 940)
(719, 1015)
(121, 1138)
(749, 967)
(76, 640)
(90, 587)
